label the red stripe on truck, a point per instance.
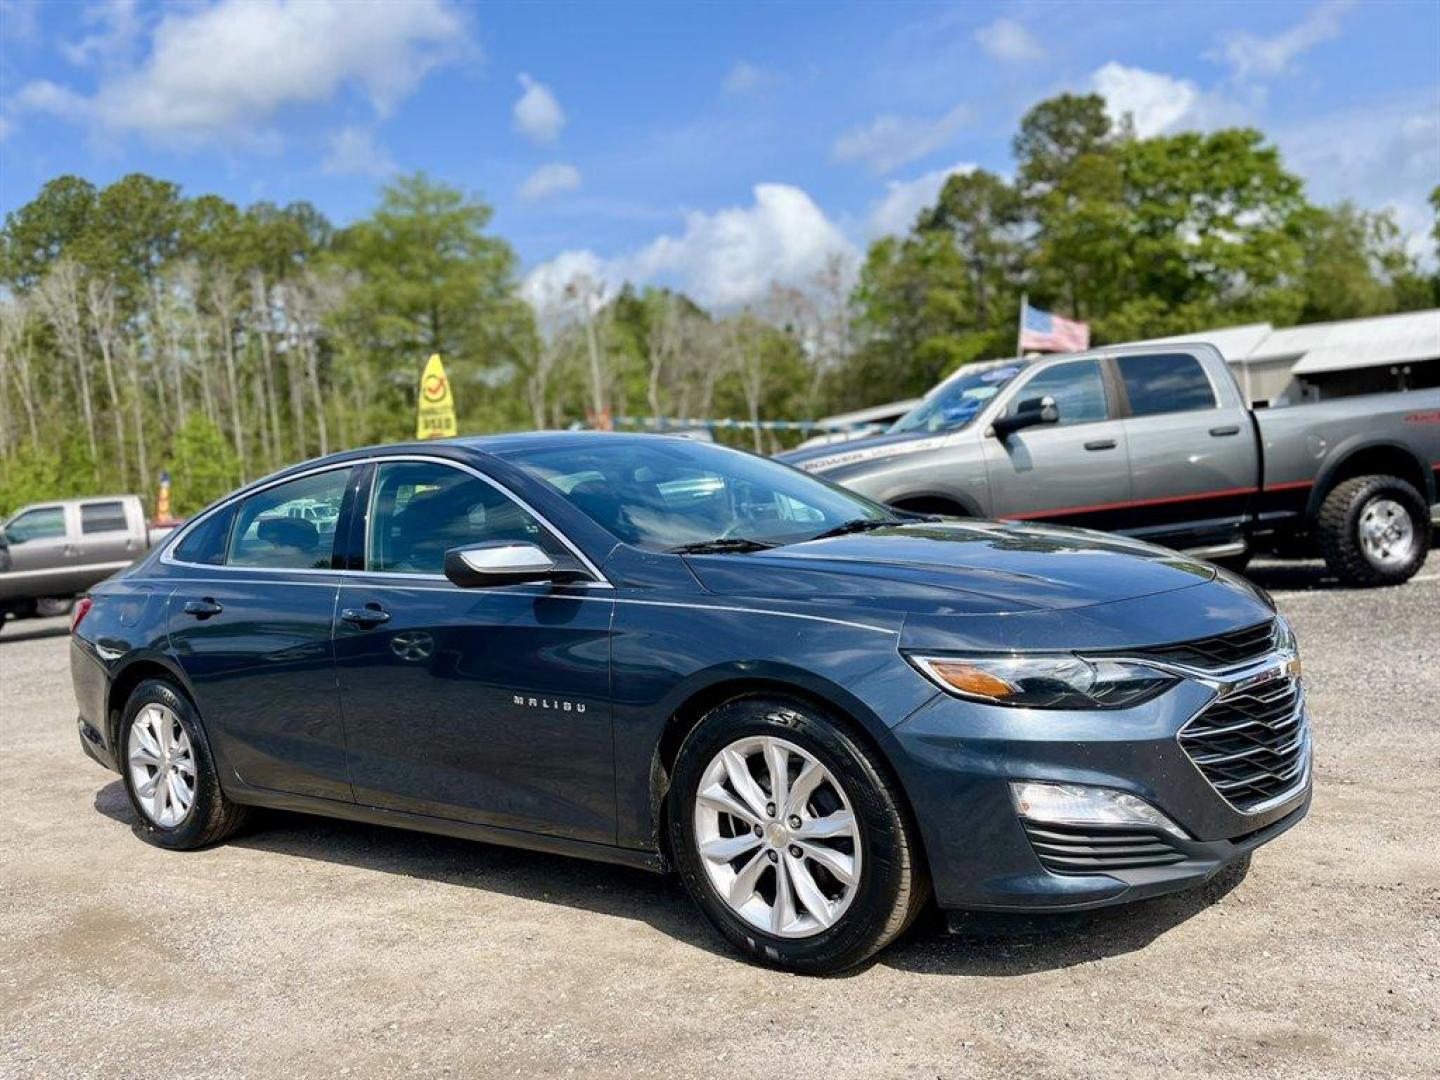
(1226, 493)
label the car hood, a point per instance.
(959, 567)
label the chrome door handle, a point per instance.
(203, 609)
(367, 616)
(1227, 429)
(1101, 444)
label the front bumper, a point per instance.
(957, 761)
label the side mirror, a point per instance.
(500, 562)
(1029, 413)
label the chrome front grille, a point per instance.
(1220, 651)
(1251, 744)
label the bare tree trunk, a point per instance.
(222, 295)
(100, 299)
(260, 302)
(59, 296)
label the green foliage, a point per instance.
(204, 466)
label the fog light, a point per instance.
(1074, 804)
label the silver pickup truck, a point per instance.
(53, 551)
(1156, 442)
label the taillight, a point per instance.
(82, 608)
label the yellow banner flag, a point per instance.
(437, 405)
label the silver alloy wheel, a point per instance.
(1386, 533)
(777, 836)
(162, 765)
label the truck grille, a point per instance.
(1251, 745)
(1070, 849)
(1220, 651)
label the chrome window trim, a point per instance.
(167, 554)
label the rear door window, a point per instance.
(103, 517)
(205, 543)
(290, 526)
(1165, 383)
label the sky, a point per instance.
(715, 146)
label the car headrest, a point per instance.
(289, 532)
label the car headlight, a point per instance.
(1061, 681)
(1285, 637)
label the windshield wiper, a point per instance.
(857, 525)
(720, 546)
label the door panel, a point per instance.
(1074, 472)
(254, 638)
(263, 673)
(42, 553)
(107, 536)
(1193, 466)
(485, 705)
(488, 704)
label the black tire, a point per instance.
(48, 607)
(212, 817)
(1338, 529)
(894, 884)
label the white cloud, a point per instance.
(353, 151)
(904, 199)
(888, 142)
(537, 114)
(227, 68)
(1252, 57)
(547, 287)
(1006, 39)
(7, 128)
(745, 78)
(1156, 103)
(118, 29)
(723, 259)
(1385, 156)
(550, 180)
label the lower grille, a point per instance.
(1251, 745)
(1070, 849)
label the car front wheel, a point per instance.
(792, 837)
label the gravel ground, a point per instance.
(314, 948)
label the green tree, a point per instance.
(203, 466)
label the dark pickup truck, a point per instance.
(1156, 442)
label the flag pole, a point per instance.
(1020, 326)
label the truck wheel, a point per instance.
(169, 773)
(50, 606)
(792, 838)
(1374, 530)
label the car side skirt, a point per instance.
(464, 830)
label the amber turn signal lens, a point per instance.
(969, 679)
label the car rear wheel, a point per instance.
(792, 837)
(169, 773)
(1374, 530)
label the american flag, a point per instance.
(1042, 332)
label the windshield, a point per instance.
(953, 404)
(662, 494)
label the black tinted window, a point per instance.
(102, 517)
(1165, 384)
(291, 525)
(206, 542)
(1077, 388)
(420, 510)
